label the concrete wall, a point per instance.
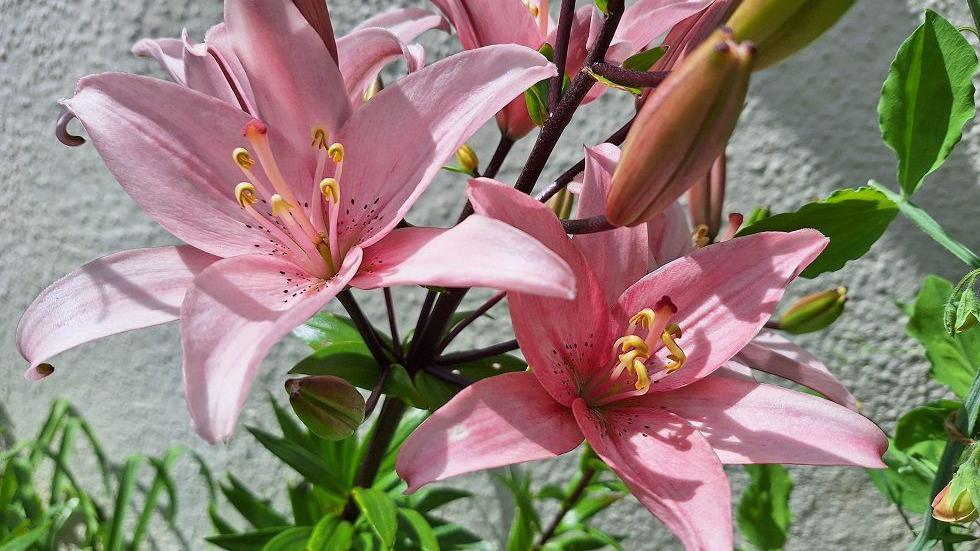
(810, 127)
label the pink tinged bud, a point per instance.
(681, 130)
(693, 31)
(954, 504)
(329, 406)
(780, 28)
(706, 200)
(814, 312)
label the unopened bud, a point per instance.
(468, 159)
(814, 312)
(780, 28)
(681, 130)
(954, 503)
(561, 204)
(329, 406)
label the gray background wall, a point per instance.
(809, 128)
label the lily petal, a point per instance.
(669, 467)
(564, 341)
(724, 294)
(296, 83)
(170, 149)
(205, 75)
(233, 314)
(479, 252)
(749, 422)
(774, 354)
(487, 22)
(646, 20)
(396, 143)
(498, 421)
(116, 293)
(618, 257)
(363, 54)
(169, 53)
(670, 235)
(406, 23)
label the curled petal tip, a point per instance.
(38, 372)
(61, 129)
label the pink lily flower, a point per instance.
(528, 23)
(644, 376)
(275, 227)
(214, 68)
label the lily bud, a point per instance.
(954, 503)
(681, 130)
(468, 159)
(561, 204)
(780, 28)
(329, 406)
(814, 312)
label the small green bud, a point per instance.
(561, 204)
(954, 503)
(468, 159)
(780, 28)
(814, 312)
(329, 406)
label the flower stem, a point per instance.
(617, 138)
(564, 32)
(504, 147)
(627, 77)
(465, 322)
(364, 327)
(595, 224)
(567, 505)
(381, 437)
(393, 325)
(479, 354)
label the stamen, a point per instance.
(245, 194)
(336, 152)
(677, 357)
(330, 188)
(282, 209)
(243, 158)
(644, 318)
(702, 236)
(320, 137)
(280, 206)
(543, 16)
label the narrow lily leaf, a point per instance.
(452, 536)
(611, 84)
(423, 531)
(380, 512)
(297, 457)
(293, 539)
(326, 329)
(927, 99)
(645, 59)
(251, 541)
(763, 512)
(536, 100)
(436, 391)
(954, 360)
(256, 511)
(124, 495)
(521, 531)
(64, 457)
(342, 538)
(603, 5)
(853, 219)
(48, 431)
(588, 507)
(162, 481)
(429, 500)
(349, 361)
(488, 367)
(331, 534)
(25, 541)
(963, 308)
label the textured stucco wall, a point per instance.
(810, 127)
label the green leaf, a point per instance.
(326, 329)
(162, 481)
(423, 531)
(954, 360)
(521, 536)
(293, 539)
(588, 507)
(452, 536)
(25, 541)
(380, 512)
(331, 534)
(962, 309)
(297, 457)
(488, 367)
(256, 511)
(351, 362)
(853, 219)
(251, 541)
(906, 482)
(536, 100)
(436, 391)
(927, 99)
(612, 84)
(603, 5)
(645, 59)
(763, 512)
(124, 495)
(429, 500)
(925, 424)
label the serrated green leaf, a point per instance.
(853, 219)
(954, 360)
(380, 512)
(423, 531)
(763, 512)
(292, 539)
(927, 99)
(301, 460)
(645, 59)
(962, 310)
(250, 541)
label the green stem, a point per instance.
(930, 227)
(975, 10)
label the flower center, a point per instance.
(649, 331)
(304, 232)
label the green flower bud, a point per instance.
(329, 406)
(780, 28)
(561, 204)
(468, 159)
(814, 312)
(954, 503)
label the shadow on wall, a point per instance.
(830, 114)
(7, 436)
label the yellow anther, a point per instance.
(631, 343)
(642, 377)
(701, 236)
(336, 152)
(534, 11)
(644, 318)
(677, 357)
(320, 137)
(330, 189)
(243, 158)
(279, 205)
(245, 194)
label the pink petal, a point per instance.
(774, 354)
(363, 54)
(498, 421)
(646, 20)
(480, 252)
(487, 22)
(205, 75)
(406, 23)
(296, 83)
(670, 235)
(748, 422)
(220, 47)
(724, 294)
(170, 149)
(233, 314)
(169, 53)
(117, 293)
(669, 467)
(564, 341)
(397, 142)
(619, 257)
